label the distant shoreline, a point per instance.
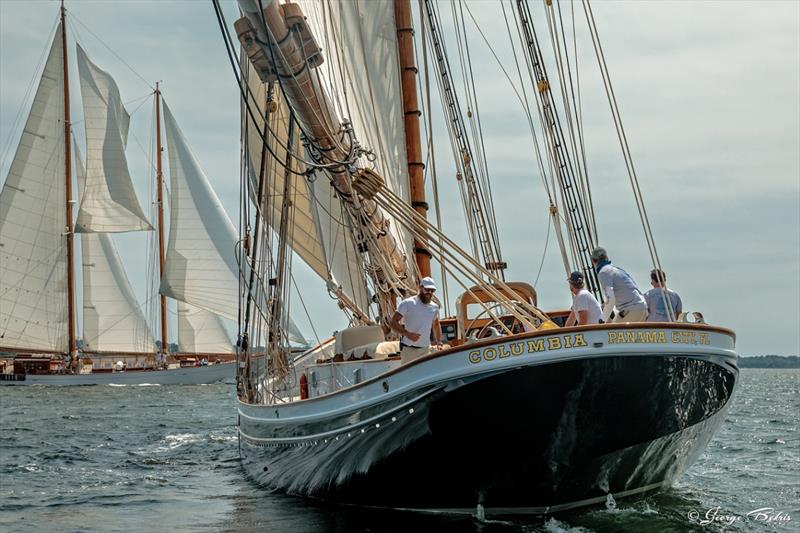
(770, 361)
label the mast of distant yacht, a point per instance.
(68, 179)
(160, 202)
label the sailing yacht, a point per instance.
(517, 413)
(38, 343)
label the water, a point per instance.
(165, 459)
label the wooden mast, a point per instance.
(411, 113)
(160, 203)
(68, 180)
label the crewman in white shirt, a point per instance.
(585, 307)
(415, 319)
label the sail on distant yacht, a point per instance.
(38, 342)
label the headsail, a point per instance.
(201, 264)
(33, 280)
(109, 203)
(201, 332)
(112, 318)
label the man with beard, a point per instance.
(414, 320)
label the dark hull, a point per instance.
(530, 439)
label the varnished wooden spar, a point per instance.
(408, 82)
(160, 202)
(68, 180)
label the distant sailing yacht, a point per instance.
(196, 266)
(517, 414)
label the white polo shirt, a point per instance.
(418, 317)
(585, 301)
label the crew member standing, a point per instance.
(620, 290)
(415, 319)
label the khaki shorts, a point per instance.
(634, 315)
(410, 353)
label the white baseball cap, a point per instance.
(427, 283)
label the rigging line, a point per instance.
(37, 74)
(544, 252)
(78, 20)
(625, 147)
(576, 101)
(460, 259)
(480, 139)
(532, 78)
(579, 227)
(460, 142)
(524, 103)
(431, 149)
(579, 159)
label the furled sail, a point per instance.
(109, 203)
(201, 264)
(201, 332)
(33, 269)
(112, 318)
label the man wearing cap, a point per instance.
(620, 290)
(585, 307)
(658, 295)
(414, 320)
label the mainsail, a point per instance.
(109, 202)
(33, 268)
(112, 318)
(361, 69)
(317, 234)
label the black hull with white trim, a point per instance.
(516, 431)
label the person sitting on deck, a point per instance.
(585, 307)
(415, 319)
(655, 298)
(620, 290)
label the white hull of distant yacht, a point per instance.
(196, 375)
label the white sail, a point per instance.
(201, 264)
(201, 267)
(112, 318)
(109, 203)
(362, 71)
(316, 234)
(201, 332)
(33, 268)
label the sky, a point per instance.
(709, 93)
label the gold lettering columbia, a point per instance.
(490, 353)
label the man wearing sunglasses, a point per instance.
(415, 319)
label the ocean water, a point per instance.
(165, 459)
